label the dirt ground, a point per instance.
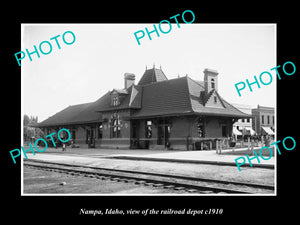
(44, 182)
(230, 173)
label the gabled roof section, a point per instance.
(198, 104)
(120, 91)
(131, 100)
(206, 99)
(151, 76)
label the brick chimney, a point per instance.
(129, 79)
(210, 80)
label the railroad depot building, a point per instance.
(155, 113)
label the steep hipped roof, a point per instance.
(151, 76)
(181, 96)
(165, 98)
(76, 114)
(91, 112)
(154, 96)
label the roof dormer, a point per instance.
(116, 96)
(115, 101)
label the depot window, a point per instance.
(215, 99)
(115, 126)
(212, 83)
(100, 131)
(200, 127)
(148, 129)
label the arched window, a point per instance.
(212, 83)
(115, 127)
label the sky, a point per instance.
(102, 53)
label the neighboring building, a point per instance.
(264, 120)
(156, 113)
(243, 127)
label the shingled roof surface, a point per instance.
(178, 97)
(165, 98)
(76, 114)
(154, 96)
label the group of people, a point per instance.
(251, 141)
(51, 144)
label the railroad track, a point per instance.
(175, 182)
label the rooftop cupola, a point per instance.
(152, 75)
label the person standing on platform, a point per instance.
(64, 147)
(218, 146)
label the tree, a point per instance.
(26, 120)
(28, 131)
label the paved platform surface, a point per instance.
(201, 164)
(204, 157)
(201, 157)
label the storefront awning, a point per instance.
(268, 130)
(252, 132)
(236, 131)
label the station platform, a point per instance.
(201, 157)
(227, 157)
